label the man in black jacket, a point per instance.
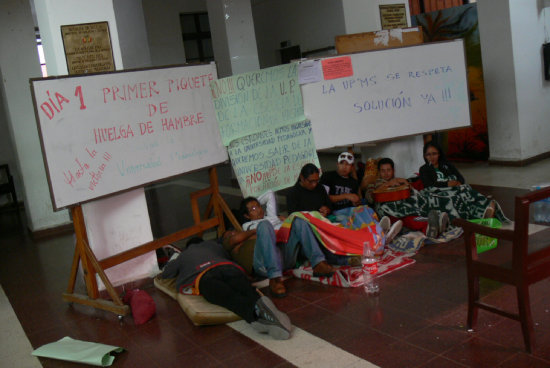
(205, 268)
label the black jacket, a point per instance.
(429, 176)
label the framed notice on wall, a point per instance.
(393, 16)
(88, 48)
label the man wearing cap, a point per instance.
(342, 188)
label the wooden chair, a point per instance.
(520, 259)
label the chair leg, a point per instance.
(525, 317)
(473, 296)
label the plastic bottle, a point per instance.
(370, 270)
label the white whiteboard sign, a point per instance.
(388, 94)
(105, 133)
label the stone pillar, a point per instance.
(234, 40)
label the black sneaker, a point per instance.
(432, 231)
(271, 320)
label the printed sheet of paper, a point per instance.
(253, 102)
(272, 159)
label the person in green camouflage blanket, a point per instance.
(444, 190)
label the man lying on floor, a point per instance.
(205, 267)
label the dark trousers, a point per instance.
(229, 287)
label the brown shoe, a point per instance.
(354, 261)
(323, 269)
(277, 287)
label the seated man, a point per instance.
(436, 221)
(343, 189)
(206, 269)
(257, 250)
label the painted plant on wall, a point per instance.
(452, 23)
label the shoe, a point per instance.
(394, 230)
(385, 224)
(271, 320)
(443, 222)
(277, 287)
(490, 210)
(432, 231)
(323, 269)
(354, 261)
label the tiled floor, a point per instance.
(418, 320)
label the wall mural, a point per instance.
(462, 22)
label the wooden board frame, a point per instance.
(92, 266)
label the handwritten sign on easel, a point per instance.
(105, 133)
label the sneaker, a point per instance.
(271, 320)
(432, 231)
(490, 210)
(394, 230)
(323, 269)
(385, 224)
(443, 222)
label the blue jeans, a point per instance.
(270, 258)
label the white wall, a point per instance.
(533, 92)
(364, 16)
(19, 62)
(163, 28)
(499, 78)
(518, 98)
(131, 31)
(312, 24)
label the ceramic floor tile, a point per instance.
(477, 352)
(438, 339)
(401, 354)
(257, 357)
(522, 360)
(439, 362)
(308, 315)
(232, 345)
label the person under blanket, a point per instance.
(206, 268)
(433, 225)
(443, 191)
(257, 250)
(307, 195)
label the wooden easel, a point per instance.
(91, 265)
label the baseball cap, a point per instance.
(346, 156)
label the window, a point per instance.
(40, 52)
(197, 40)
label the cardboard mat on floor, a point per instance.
(199, 311)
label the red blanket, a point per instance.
(347, 276)
(334, 237)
